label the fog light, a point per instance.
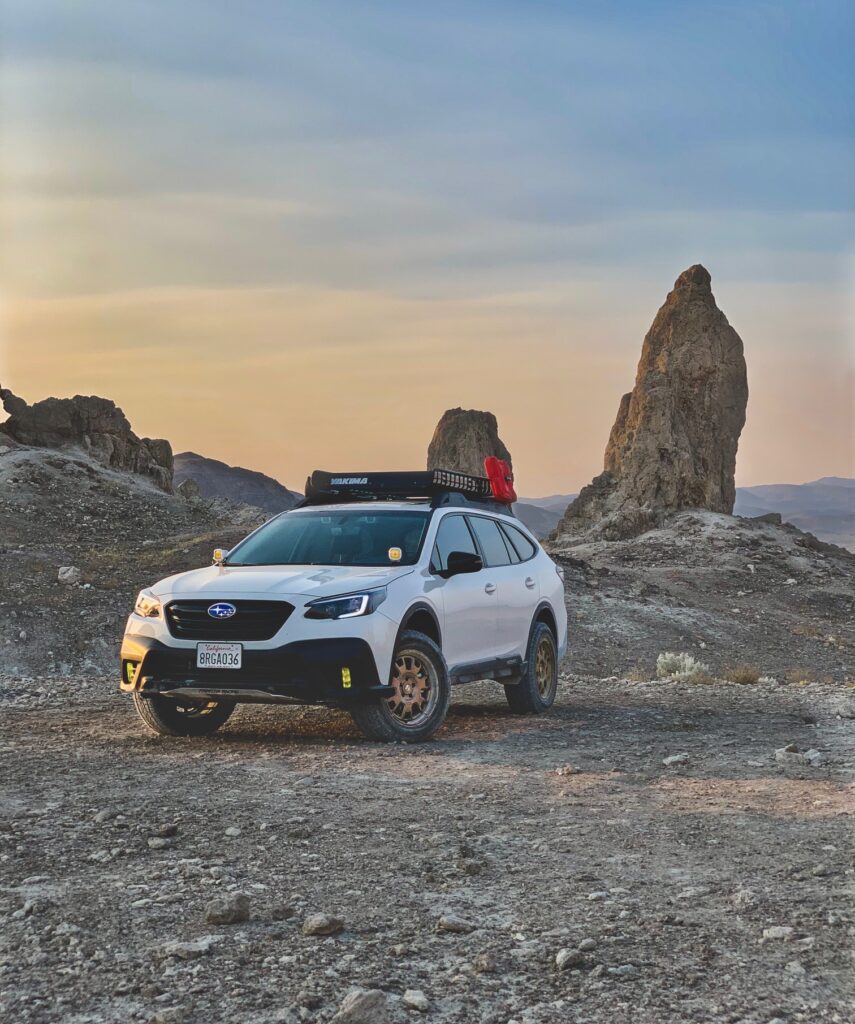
(131, 671)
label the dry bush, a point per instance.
(671, 665)
(743, 675)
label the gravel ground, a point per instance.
(459, 870)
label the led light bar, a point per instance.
(323, 486)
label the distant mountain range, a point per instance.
(218, 480)
(825, 508)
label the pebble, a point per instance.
(233, 831)
(565, 958)
(598, 896)
(322, 924)
(68, 574)
(416, 999)
(675, 759)
(624, 971)
(586, 945)
(453, 923)
(778, 932)
(363, 1007)
(169, 1015)
(160, 843)
(230, 908)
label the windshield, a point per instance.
(335, 538)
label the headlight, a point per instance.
(346, 607)
(147, 605)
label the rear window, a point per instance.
(524, 547)
(492, 545)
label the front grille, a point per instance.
(253, 620)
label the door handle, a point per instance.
(529, 582)
(490, 588)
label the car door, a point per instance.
(468, 599)
(516, 590)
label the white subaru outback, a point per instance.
(377, 594)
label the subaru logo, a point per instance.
(222, 610)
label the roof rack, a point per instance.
(439, 486)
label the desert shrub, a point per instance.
(744, 675)
(670, 665)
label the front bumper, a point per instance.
(337, 671)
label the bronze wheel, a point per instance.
(414, 681)
(416, 704)
(544, 665)
(535, 691)
(170, 716)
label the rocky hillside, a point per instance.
(95, 425)
(79, 540)
(825, 507)
(215, 479)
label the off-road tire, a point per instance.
(376, 718)
(164, 715)
(535, 693)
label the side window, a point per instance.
(453, 535)
(519, 540)
(487, 532)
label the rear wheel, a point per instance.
(171, 716)
(535, 692)
(419, 702)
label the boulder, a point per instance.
(96, 425)
(463, 439)
(673, 444)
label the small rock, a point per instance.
(598, 896)
(565, 958)
(485, 963)
(675, 759)
(189, 950)
(624, 971)
(744, 899)
(814, 757)
(160, 843)
(233, 831)
(322, 924)
(453, 923)
(231, 908)
(282, 912)
(586, 945)
(416, 999)
(169, 1015)
(68, 574)
(790, 754)
(778, 932)
(165, 831)
(363, 1007)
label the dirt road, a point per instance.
(564, 832)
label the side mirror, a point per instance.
(220, 555)
(463, 561)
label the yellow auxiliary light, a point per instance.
(345, 677)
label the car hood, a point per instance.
(220, 582)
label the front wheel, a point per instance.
(419, 702)
(535, 692)
(173, 716)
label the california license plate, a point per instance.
(218, 655)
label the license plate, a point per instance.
(218, 655)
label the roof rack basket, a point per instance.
(439, 486)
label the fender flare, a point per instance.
(417, 607)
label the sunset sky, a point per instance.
(289, 235)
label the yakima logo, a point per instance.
(349, 480)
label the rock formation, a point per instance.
(96, 425)
(673, 444)
(463, 439)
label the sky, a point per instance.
(290, 235)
